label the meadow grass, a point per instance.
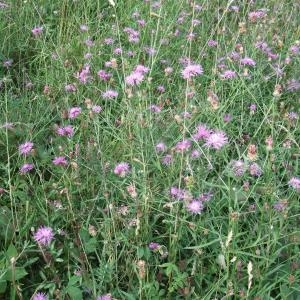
(149, 149)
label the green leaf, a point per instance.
(91, 245)
(73, 280)
(140, 252)
(74, 293)
(3, 285)
(15, 274)
(11, 251)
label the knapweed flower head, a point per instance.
(40, 296)
(160, 147)
(65, 131)
(110, 94)
(25, 148)
(153, 246)
(103, 75)
(70, 88)
(60, 161)
(104, 297)
(195, 154)
(154, 108)
(294, 182)
(167, 160)
(253, 16)
(44, 235)
(205, 197)
(191, 71)
(201, 132)
(135, 78)
(195, 206)
(228, 74)
(281, 205)
(238, 167)
(84, 27)
(96, 109)
(26, 168)
(183, 145)
(179, 194)
(255, 170)
(216, 140)
(122, 169)
(84, 75)
(74, 112)
(247, 61)
(37, 31)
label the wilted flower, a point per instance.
(255, 170)
(238, 167)
(70, 88)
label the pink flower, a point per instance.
(153, 246)
(195, 206)
(183, 145)
(155, 108)
(202, 132)
(40, 296)
(191, 71)
(247, 61)
(25, 148)
(160, 147)
(228, 74)
(70, 88)
(84, 75)
(26, 168)
(96, 109)
(255, 15)
(104, 75)
(37, 31)
(66, 131)
(255, 170)
(74, 112)
(195, 153)
(44, 235)
(294, 182)
(216, 140)
(110, 94)
(212, 43)
(167, 160)
(122, 169)
(60, 161)
(134, 78)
